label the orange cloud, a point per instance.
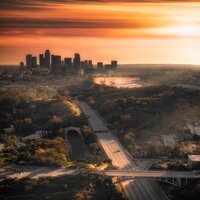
(35, 25)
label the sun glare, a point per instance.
(180, 31)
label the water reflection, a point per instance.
(119, 82)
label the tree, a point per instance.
(10, 141)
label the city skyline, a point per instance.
(56, 64)
(129, 31)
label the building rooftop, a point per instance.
(195, 158)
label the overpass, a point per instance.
(176, 178)
(137, 184)
(134, 188)
(152, 174)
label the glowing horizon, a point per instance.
(129, 32)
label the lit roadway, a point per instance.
(152, 174)
(15, 171)
(135, 189)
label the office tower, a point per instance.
(68, 64)
(55, 63)
(85, 63)
(68, 61)
(114, 64)
(34, 62)
(99, 65)
(77, 61)
(21, 65)
(90, 65)
(41, 60)
(58, 61)
(29, 61)
(47, 59)
(82, 64)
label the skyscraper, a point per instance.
(99, 65)
(29, 61)
(58, 61)
(114, 64)
(55, 63)
(41, 60)
(21, 66)
(77, 61)
(90, 65)
(68, 64)
(34, 62)
(47, 59)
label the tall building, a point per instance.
(68, 61)
(68, 64)
(34, 62)
(77, 61)
(21, 66)
(99, 65)
(90, 65)
(41, 60)
(114, 64)
(29, 61)
(47, 62)
(85, 63)
(55, 63)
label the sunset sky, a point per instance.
(131, 31)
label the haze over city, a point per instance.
(130, 31)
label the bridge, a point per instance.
(137, 184)
(152, 174)
(176, 178)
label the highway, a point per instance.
(152, 174)
(135, 189)
(16, 171)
